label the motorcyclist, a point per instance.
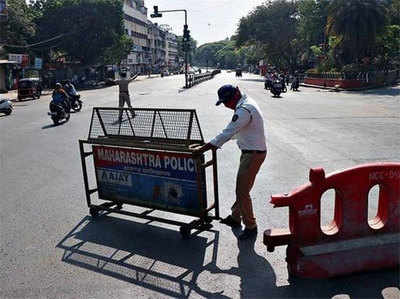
(295, 84)
(71, 92)
(70, 88)
(59, 96)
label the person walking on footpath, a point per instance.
(124, 97)
(247, 126)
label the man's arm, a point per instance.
(133, 78)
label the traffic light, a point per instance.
(186, 33)
(185, 46)
(156, 14)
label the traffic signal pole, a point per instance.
(185, 39)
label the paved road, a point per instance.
(50, 247)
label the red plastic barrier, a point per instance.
(351, 243)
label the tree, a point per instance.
(389, 45)
(272, 26)
(19, 28)
(192, 49)
(357, 24)
(91, 30)
(206, 53)
(394, 12)
(312, 16)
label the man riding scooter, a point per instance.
(59, 106)
(74, 97)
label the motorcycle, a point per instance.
(267, 84)
(277, 88)
(75, 102)
(73, 97)
(6, 106)
(59, 111)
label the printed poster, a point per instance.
(149, 178)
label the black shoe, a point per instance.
(231, 222)
(248, 233)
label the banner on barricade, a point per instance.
(162, 180)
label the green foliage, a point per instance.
(224, 54)
(312, 16)
(272, 26)
(389, 45)
(192, 49)
(317, 51)
(92, 29)
(118, 51)
(357, 24)
(394, 12)
(19, 28)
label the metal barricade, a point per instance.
(141, 157)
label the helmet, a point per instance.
(225, 93)
(58, 85)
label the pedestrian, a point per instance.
(247, 126)
(124, 97)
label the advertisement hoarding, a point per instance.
(163, 180)
(22, 59)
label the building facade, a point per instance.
(172, 59)
(135, 22)
(154, 48)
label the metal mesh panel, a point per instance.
(155, 125)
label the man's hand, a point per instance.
(196, 148)
(199, 149)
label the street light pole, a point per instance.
(158, 14)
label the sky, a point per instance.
(208, 20)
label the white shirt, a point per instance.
(247, 126)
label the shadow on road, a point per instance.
(366, 285)
(158, 259)
(148, 256)
(253, 80)
(51, 126)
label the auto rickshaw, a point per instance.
(29, 88)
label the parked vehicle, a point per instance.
(6, 106)
(29, 88)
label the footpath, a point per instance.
(337, 88)
(13, 94)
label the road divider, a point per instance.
(194, 79)
(351, 242)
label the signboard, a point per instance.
(15, 57)
(38, 63)
(153, 179)
(22, 59)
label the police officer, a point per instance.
(247, 125)
(124, 93)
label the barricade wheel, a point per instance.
(94, 212)
(185, 231)
(207, 219)
(206, 226)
